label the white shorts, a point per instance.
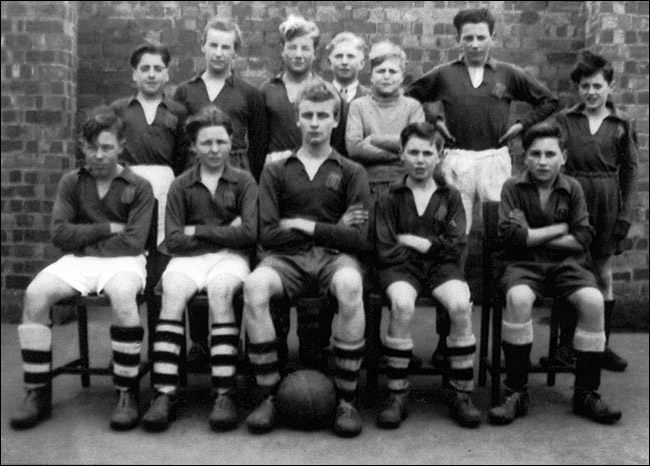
(202, 269)
(160, 177)
(477, 174)
(90, 275)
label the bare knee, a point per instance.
(519, 304)
(402, 309)
(257, 294)
(590, 305)
(347, 286)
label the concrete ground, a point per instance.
(78, 431)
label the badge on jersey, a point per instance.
(128, 195)
(333, 181)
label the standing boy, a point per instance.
(476, 91)
(602, 155)
(544, 225)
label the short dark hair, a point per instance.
(589, 64)
(474, 16)
(317, 90)
(425, 131)
(226, 25)
(99, 119)
(208, 116)
(153, 49)
(542, 130)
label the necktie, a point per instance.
(344, 93)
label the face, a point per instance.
(212, 147)
(387, 77)
(544, 159)
(101, 155)
(594, 91)
(151, 75)
(219, 50)
(346, 60)
(476, 41)
(420, 157)
(316, 121)
(298, 55)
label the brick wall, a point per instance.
(542, 37)
(619, 30)
(39, 67)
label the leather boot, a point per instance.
(35, 408)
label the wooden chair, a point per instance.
(81, 304)
(492, 314)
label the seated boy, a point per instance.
(211, 221)
(420, 236)
(544, 226)
(100, 220)
(302, 198)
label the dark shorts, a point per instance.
(310, 271)
(548, 279)
(423, 276)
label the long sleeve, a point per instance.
(271, 235)
(181, 158)
(237, 237)
(176, 241)
(390, 252)
(358, 148)
(628, 158)
(450, 244)
(509, 233)
(131, 241)
(425, 89)
(338, 235)
(66, 234)
(580, 227)
(527, 89)
(257, 133)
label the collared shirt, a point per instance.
(283, 132)
(338, 133)
(81, 220)
(612, 150)
(350, 90)
(478, 117)
(163, 142)
(287, 192)
(243, 103)
(190, 202)
(566, 204)
(442, 223)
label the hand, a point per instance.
(355, 215)
(275, 156)
(189, 230)
(565, 228)
(518, 217)
(117, 227)
(621, 229)
(236, 222)
(511, 133)
(442, 127)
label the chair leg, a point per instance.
(82, 323)
(497, 316)
(485, 335)
(374, 310)
(552, 341)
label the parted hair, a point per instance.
(317, 90)
(208, 116)
(382, 51)
(220, 24)
(98, 119)
(346, 36)
(423, 130)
